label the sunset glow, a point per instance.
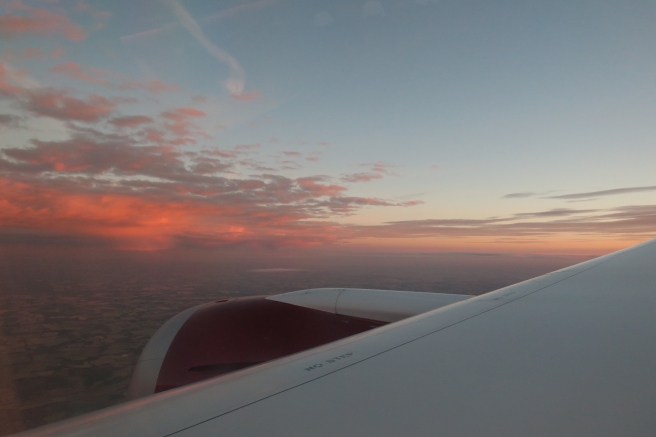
(171, 124)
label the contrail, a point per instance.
(235, 83)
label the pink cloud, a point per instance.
(94, 156)
(54, 103)
(130, 121)
(239, 150)
(153, 136)
(73, 70)
(311, 185)
(59, 105)
(124, 179)
(7, 88)
(182, 199)
(182, 114)
(38, 22)
(180, 125)
(384, 168)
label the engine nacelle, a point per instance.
(231, 334)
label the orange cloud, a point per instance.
(141, 223)
(130, 222)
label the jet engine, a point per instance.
(232, 334)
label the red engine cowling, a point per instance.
(228, 335)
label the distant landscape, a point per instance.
(73, 321)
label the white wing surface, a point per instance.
(571, 353)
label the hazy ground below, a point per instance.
(73, 321)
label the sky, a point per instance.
(380, 125)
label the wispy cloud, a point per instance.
(558, 212)
(377, 170)
(384, 167)
(520, 195)
(581, 196)
(611, 192)
(624, 222)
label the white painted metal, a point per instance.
(382, 305)
(571, 353)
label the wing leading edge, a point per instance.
(569, 353)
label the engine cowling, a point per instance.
(231, 334)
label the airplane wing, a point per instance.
(570, 353)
